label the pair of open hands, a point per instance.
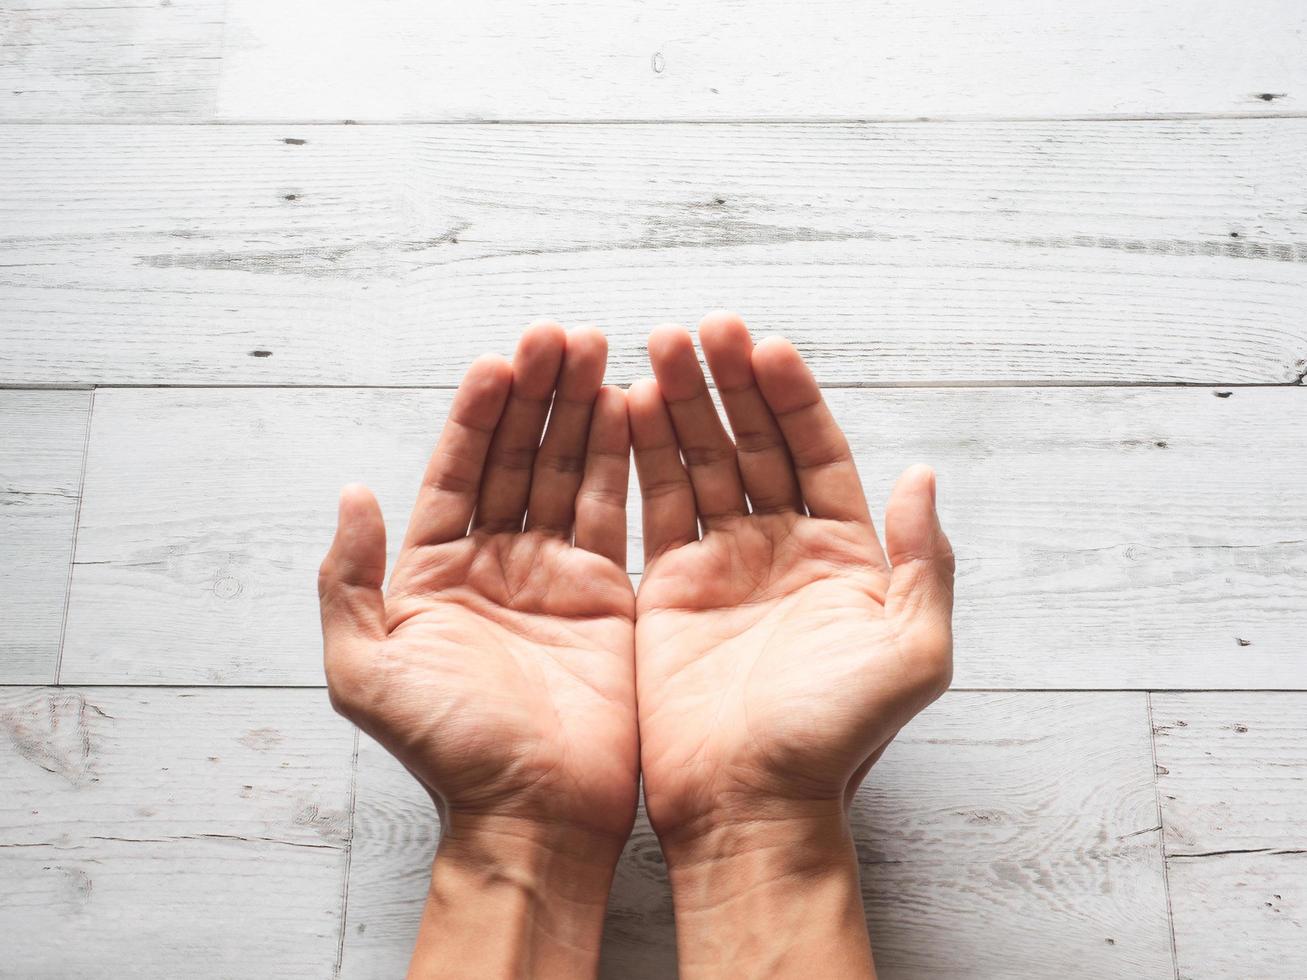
(769, 656)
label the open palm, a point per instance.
(499, 665)
(777, 653)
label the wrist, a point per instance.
(513, 898)
(769, 896)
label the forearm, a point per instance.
(507, 901)
(770, 899)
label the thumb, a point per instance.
(349, 581)
(921, 583)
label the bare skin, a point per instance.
(777, 652)
(499, 666)
(775, 646)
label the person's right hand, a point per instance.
(499, 667)
(778, 651)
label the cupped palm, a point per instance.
(777, 652)
(498, 668)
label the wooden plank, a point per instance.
(948, 253)
(1107, 537)
(337, 59)
(1232, 778)
(1011, 835)
(42, 438)
(203, 909)
(104, 59)
(107, 794)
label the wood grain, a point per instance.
(103, 59)
(946, 253)
(42, 438)
(1009, 835)
(106, 795)
(338, 59)
(198, 908)
(1232, 779)
(1107, 537)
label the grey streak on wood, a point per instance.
(1094, 527)
(42, 440)
(995, 822)
(1028, 252)
(105, 794)
(1232, 781)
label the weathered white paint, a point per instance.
(164, 832)
(1002, 834)
(42, 438)
(518, 59)
(947, 253)
(1108, 538)
(104, 59)
(1232, 780)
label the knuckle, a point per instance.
(707, 455)
(822, 455)
(754, 443)
(656, 489)
(567, 464)
(513, 458)
(600, 495)
(453, 482)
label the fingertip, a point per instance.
(647, 415)
(784, 378)
(538, 358)
(667, 340)
(358, 508)
(611, 428)
(488, 371)
(544, 332)
(587, 338)
(584, 363)
(728, 349)
(643, 396)
(483, 391)
(721, 324)
(543, 341)
(358, 551)
(355, 495)
(911, 522)
(775, 349)
(676, 363)
(919, 477)
(611, 398)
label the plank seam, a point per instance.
(1161, 837)
(349, 855)
(900, 120)
(72, 551)
(1299, 382)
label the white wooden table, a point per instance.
(1058, 250)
